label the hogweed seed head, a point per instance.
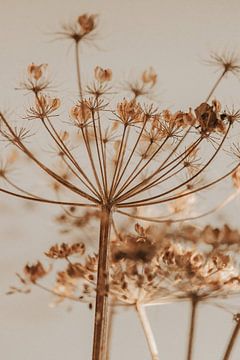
(128, 152)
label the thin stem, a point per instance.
(131, 178)
(90, 156)
(180, 195)
(62, 296)
(118, 159)
(160, 168)
(159, 181)
(17, 142)
(77, 58)
(43, 200)
(233, 337)
(60, 143)
(134, 170)
(185, 182)
(194, 303)
(122, 156)
(93, 191)
(110, 327)
(132, 153)
(147, 331)
(102, 150)
(166, 218)
(101, 310)
(69, 155)
(216, 84)
(100, 160)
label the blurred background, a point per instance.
(172, 36)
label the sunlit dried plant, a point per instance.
(117, 154)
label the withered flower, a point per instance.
(44, 107)
(153, 265)
(149, 76)
(102, 75)
(226, 61)
(64, 250)
(99, 167)
(81, 114)
(36, 71)
(87, 22)
(34, 272)
(129, 112)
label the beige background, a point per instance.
(173, 37)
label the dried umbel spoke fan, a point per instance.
(119, 154)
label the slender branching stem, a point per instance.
(131, 154)
(160, 168)
(57, 177)
(118, 159)
(121, 160)
(46, 201)
(92, 190)
(233, 338)
(147, 331)
(194, 303)
(101, 309)
(102, 144)
(163, 176)
(85, 135)
(100, 160)
(63, 148)
(18, 188)
(59, 295)
(168, 217)
(216, 84)
(135, 169)
(77, 58)
(144, 185)
(90, 156)
(69, 155)
(179, 195)
(131, 178)
(188, 180)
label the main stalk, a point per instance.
(101, 308)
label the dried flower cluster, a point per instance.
(153, 265)
(126, 153)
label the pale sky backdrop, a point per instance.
(174, 36)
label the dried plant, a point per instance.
(116, 154)
(152, 265)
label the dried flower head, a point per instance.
(149, 77)
(36, 71)
(154, 265)
(87, 22)
(102, 75)
(44, 107)
(81, 114)
(82, 29)
(226, 61)
(126, 153)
